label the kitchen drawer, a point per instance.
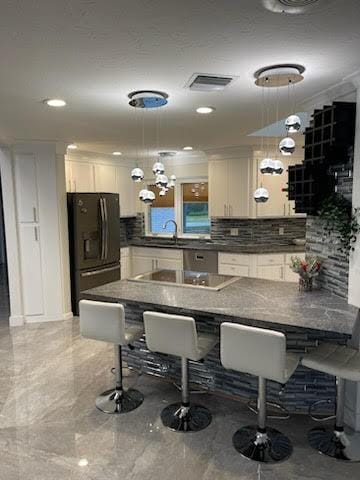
(234, 270)
(297, 254)
(124, 252)
(272, 259)
(154, 252)
(234, 259)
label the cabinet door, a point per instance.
(277, 205)
(168, 264)
(234, 270)
(142, 265)
(270, 272)
(82, 175)
(218, 189)
(26, 188)
(68, 177)
(238, 187)
(31, 270)
(126, 189)
(105, 179)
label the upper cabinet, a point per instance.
(229, 188)
(27, 191)
(82, 176)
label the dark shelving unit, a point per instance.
(327, 143)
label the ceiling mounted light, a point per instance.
(267, 166)
(278, 167)
(148, 99)
(279, 75)
(287, 146)
(261, 195)
(158, 168)
(294, 6)
(293, 124)
(161, 181)
(188, 148)
(137, 174)
(205, 110)
(55, 102)
(117, 154)
(72, 146)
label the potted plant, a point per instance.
(307, 269)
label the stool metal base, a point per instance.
(112, 401)
(335, 444)
(186, 419)
(270, 447)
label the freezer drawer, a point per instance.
(201, 261)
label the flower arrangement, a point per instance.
(307, 269)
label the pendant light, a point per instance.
(278, 167)
(161, 181)
(287, 146)
(137, 174)
(293, 124)
(158, 168)
(261, 195)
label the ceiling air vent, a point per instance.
(295, 6)
(208, 83)
(297, 3)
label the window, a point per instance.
(195, 212)
(162, 209)
(187, 204)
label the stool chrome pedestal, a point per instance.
(183, 416)
(344, 363)
(177, 335)
(106, 322)
(240, 345)
(259, 442)
(118, 400)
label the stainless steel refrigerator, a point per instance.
(94, 240)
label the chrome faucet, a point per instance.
(175, 236)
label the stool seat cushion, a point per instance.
(337, 360)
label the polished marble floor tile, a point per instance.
(50, 428)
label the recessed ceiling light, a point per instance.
(83, 462)
(187, 148)
(55, 102)
(72, 146)
(205, 109)
(117, 154)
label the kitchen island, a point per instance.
(306, 318)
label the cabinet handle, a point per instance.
(74, 181)
(284, 209)
(230, 210)
(225, 210)
(34, 214)
(289, 210)
(36, 234)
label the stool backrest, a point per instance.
(102, 321)
(256, 351)
(171, 334)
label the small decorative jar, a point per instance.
(306, 284)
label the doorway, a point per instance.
(4, 285)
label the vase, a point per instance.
(305, 284)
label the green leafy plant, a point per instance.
(340, 220)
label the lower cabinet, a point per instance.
(146, 259)
(125, 261)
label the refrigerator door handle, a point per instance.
(98, 272)
(106, 229)
(102, 214)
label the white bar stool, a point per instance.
(344, 363)
(177, 335)
(106, 322)
(259, 352)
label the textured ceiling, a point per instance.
(92, 53)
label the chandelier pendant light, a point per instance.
(261, 195)
(287, 146)
(293, 124)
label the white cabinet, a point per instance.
(26, 187)
(126, 189)
(229, 187)
(79, 177)
(31, 270)
(235, 264)
(146, 259)
(105, 178)
(125, 261)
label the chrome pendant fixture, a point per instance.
(147, 196)
(293, 124)
(261, 195)
(278, 167)
(267, 166)
(158, 168)
(287, 146)
(161, 181)
(137, 174)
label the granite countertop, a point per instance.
(220, 247)
(254, 301)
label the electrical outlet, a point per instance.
(281, 230)
(234, 232)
